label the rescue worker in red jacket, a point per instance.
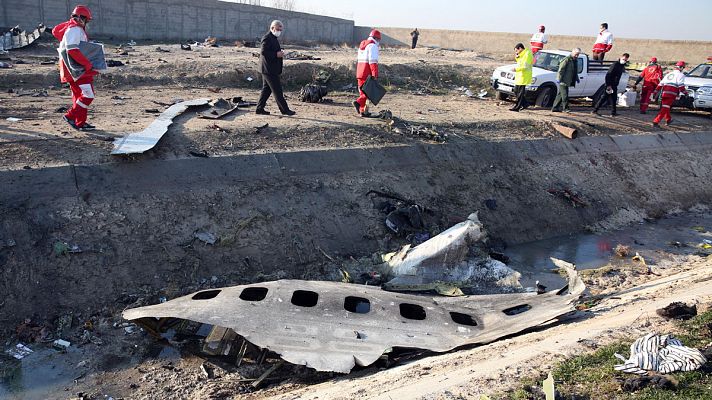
(539, 39)
(651, 76)
(70, 34)
(367, 66)
(603, 44)
(672, 87)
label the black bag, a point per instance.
(373, 90)
(312, 93)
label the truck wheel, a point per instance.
(502, 96)
(545, 98)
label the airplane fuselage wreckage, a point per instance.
(332, 326)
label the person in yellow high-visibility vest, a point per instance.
(522, 75)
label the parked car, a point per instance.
(699, 87)
(544, 87)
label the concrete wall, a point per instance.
(500, 43)
(178, 20)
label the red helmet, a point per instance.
(654, 60)
(680, 64)
(541, 28)
(82, 11)
(376, 34)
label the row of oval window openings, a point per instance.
(359, 305)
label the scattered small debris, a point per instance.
(677, 310)
(295, 55)
(249, 79)
(162, 50)
(114, 63)
(569, 195)
(20, 351)
(206, 237)
(13, 119)
(61, 344)
(218, 128)
(621, 250)
(5, 65)
(62, 110)
(570, 133)
(152, 111)
(203, 153)
(700, 229)
(63, 248)
(185, 47)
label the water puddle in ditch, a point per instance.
(46, 371)
(682, 235)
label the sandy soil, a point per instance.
(422, 86)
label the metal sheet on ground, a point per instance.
(140, 142)
(332, 326)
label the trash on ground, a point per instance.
(218, 128)
(61, 344)
(220, 107)
(295, 55)
(114, 63)
(567, 194)
(313, 93)
(16, 38)
(20, 351)
(621, 250)
(396, 125)
(677, 310)
(660, 353)
(571, 133)
(139, 142)
(5, 65)
(63, 248)
(186, 47)
(13, 119)
(290, 318)
(449, 260)
(627, 98)
(206, 237)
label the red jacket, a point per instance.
(70, 44)
(604, 42)
(651, 76)
(367, 59)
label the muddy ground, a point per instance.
(138, 245)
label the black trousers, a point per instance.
(414, 42)
(611, 99)
(520, 91)
(271, 84)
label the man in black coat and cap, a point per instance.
(613, 78)
(271, 60)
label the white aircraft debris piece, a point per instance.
(16, 38)
(446, 260)
(139, 142)
(332, 326)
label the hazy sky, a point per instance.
(664, 19)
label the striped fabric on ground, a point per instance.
(660, 353)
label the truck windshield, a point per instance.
(702, 71)
(550, 61)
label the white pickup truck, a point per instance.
(699, 87)
(544, 87)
